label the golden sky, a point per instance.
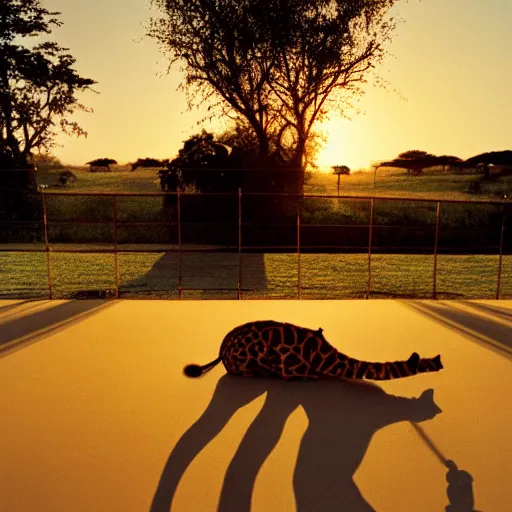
(451, 62)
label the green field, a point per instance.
(433, 184)
(322, 276)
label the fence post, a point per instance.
(370, 236)
(501, 255)
(180, 252)
(436, 240)
(239, 284)
(299, 282)
(116, 255)
(47, 246)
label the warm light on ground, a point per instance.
(97, 415)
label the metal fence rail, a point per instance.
(299, 247)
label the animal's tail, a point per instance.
(395, 369)
(195, 370)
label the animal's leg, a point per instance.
(231, 394)
(257, 444)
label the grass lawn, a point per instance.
(322, 276)
(433, 184)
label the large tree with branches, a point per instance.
(280, 65)
(38, 86)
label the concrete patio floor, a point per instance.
(96, 415)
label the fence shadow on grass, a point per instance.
(200, 272)
(22, 331)
(492, 334)
(342, 418)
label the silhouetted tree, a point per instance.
(38, 91)
(204, 163)
(340, 169)
(452, 162)
(413, 161)
(101, 163)
(148, 162)
(492, 165)
(279, 65)
(45, 161)
(65, 176)
(492, 157)
(38, 85)
(270, 174)
(414, 154)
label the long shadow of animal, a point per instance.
(343, 417)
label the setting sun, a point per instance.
(341, 147)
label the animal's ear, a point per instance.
(427, 395)
(437, 362)
(426, 408)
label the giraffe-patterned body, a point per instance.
(286, 351)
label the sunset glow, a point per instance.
(341, 147)
(447, 62)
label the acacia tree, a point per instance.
(340, 169)
(280, 65)
(38, 85)
(148, 162)
(101, 162)
(415, 161)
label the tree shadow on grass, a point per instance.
(20, 332)
(494, 335)
(200, 272)
(343, 417)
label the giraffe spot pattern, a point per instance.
(276, 349)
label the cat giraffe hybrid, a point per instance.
(286, 351)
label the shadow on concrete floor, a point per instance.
(460, 483)
(24, 330)
(490, 309)
(496, 335)
(330, 452)
(18, 304)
